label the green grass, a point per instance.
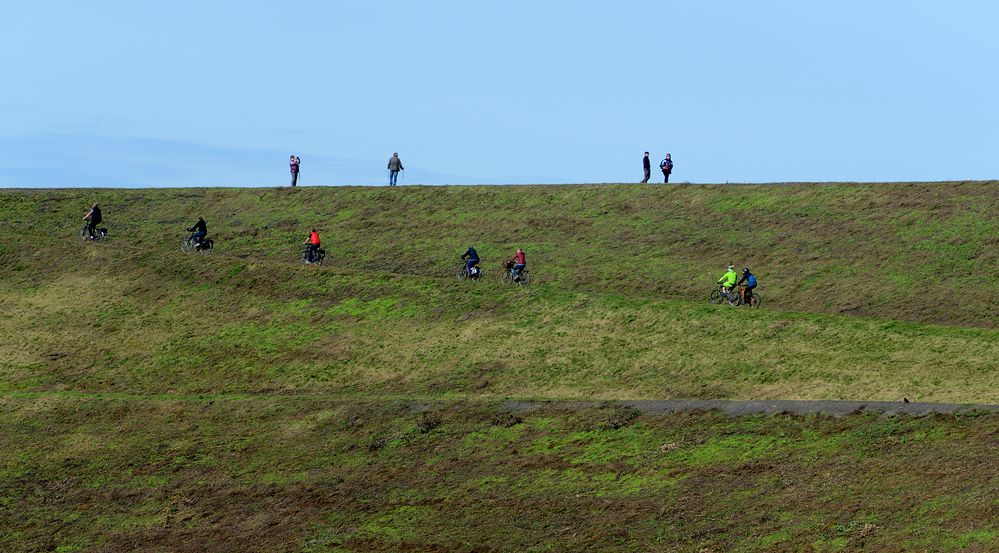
(313, 475)
(155, 400)
(131, 322)
(916, 252)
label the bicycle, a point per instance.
(507, 277)
(465, 274)
(190, 245)
(754, 301)
(99, 234)
(317, 258)
(718, 296)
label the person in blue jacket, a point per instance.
(750, 280)
(473, 261)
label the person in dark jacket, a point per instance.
(647, 166)
(200, 230)
(667, 167)
(750, 280)
(294, 164)
(394, 166)
(473, 260)
(93, 218)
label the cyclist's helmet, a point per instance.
(731, 267)
(745, 270)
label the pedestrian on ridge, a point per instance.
(394, 166)
(667, 167)
(294, 162)
(647, 166)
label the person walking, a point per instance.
(394, 166)
(294, 162)
(667, 166)
(647, 165)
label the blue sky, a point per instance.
(220, 93)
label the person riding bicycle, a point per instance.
(473, 260)
(750, 280)
(519, 261)
(727, 282)
(313, 244)
(200, 230)
(93, 218)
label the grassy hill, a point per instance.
(910, 252)
(247, 401)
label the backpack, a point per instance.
(751, 280)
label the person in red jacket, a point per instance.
(313, 243)
(519, 261)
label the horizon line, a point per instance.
(478, 185)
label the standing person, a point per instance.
(667, 167)
(647, 165)
(394, 166)
(93, 218)
(294, 163)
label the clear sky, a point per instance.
(220, 93)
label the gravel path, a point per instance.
(753, 407)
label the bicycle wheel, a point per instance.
(715, 297)
(525, 278)
(507, 277)
(755, 302)
(207, 246)
(462, 273)
(84, 235)
(320, 257)
(186, 246)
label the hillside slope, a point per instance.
(160, 401)
(916, 252)
(135, 315)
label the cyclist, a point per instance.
(200, 230)
(750, 280)
(727, 282)
(313, 243)
(93, 218)
(473, 261)
(519, 261)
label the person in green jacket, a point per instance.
(727, 282)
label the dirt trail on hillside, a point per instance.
(768, 407)
(646, 406)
